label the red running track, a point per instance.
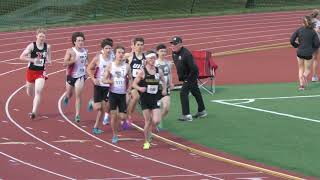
(52, 147)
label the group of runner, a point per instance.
(306, 40)
(120, 79)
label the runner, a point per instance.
(76, 59)
(308, 43)
(315, 15)
(147, 83)
(95, 70)
(38, 54)
(165, 67)
(136, 62)
(118, 76)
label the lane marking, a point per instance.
(123, 149)
(45, 132)
(72, 141)
(29, 128)
(16, 143)
(39, 148)
(37, 167)
(62, 137)
(50, 145)
(4, 138)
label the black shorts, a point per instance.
(72, 81)
(118, 101)
(305, 57)
(149, 101)
(100, 93)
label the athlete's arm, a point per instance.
(69, 58)
(91, 70)
(26, 54)
(129, 77)
(137, 80)
(164, 85)
(107, 76)
(49, 54)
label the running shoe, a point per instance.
(314, 79)
(90, 105)
(32, 116)
(65, 101)
(77, 119)
(115, 139)
(146, 146)
(97, 131)
(301, 88)
(105, 119)
(125, 125)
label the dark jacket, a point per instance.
(308, 41)
(186, 68)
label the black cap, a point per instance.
(176, 40)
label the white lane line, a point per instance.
(189, 175)
(45, 117)
(98, 146)
(39, 148)
(56, 153)
(16, 109)
(5, 121)
(61, 120)
(169, 24)
(63, 137)
(4, 138)
(268, 111)
(45, 132)
(29, 128)
(87, 28)
(116, 151)
(50, 145)
(37, 167)
(126, 150)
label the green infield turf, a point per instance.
(270, 123)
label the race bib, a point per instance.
(39, 62)
(135, 72)
(152, 89)
(118, 82)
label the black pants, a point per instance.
(192, 87)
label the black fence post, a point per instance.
(193, 2)
(250, 4)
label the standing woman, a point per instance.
(38, 54)
(308, 43)
(76, 60)
(147, 83)
(315, 15)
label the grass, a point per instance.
(275, 140)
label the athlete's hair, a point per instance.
(307, 22)
(119, 47)
(161, 46)
(315, 13)
(138, 39)
(41, 30)
(75, 35)
(106, 42)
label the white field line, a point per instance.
(37, 167)
(52, 146)
(227, 102)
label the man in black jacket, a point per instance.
(187, 73)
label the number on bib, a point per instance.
(152, 89)
(135, 72)
(39, 62)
